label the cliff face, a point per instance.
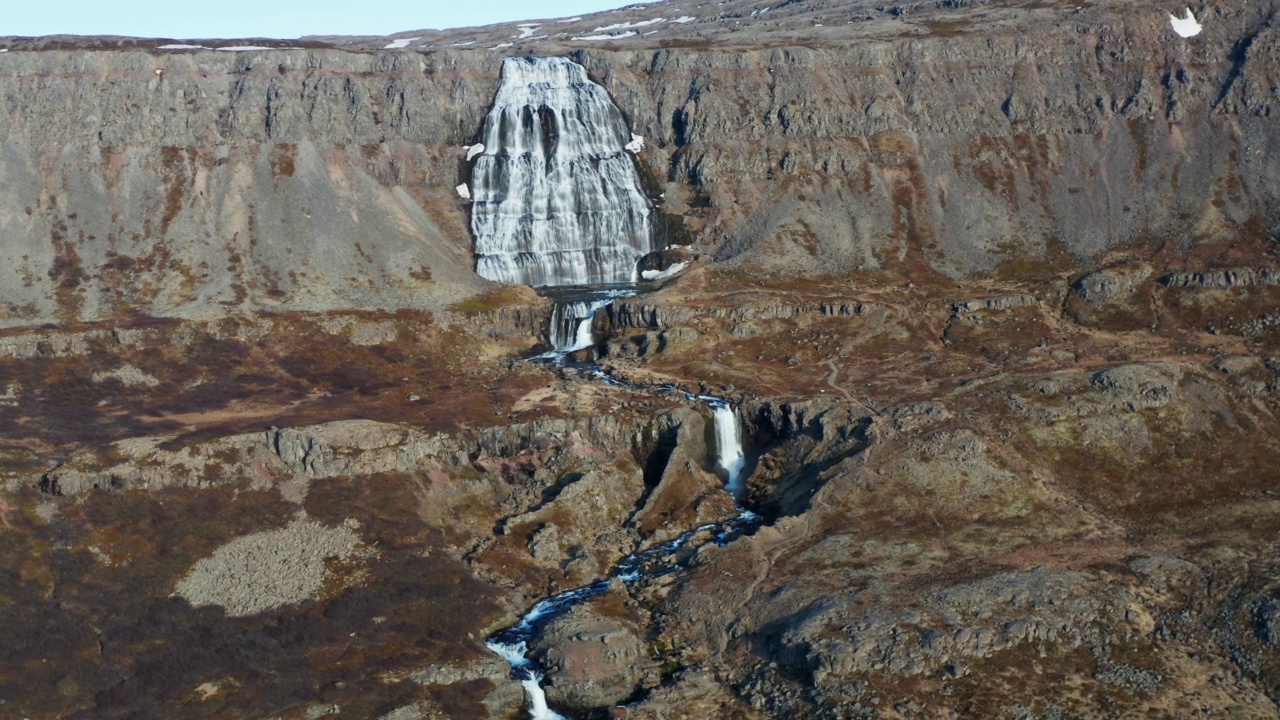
(971, 143)
(193, 183)
(197, 184)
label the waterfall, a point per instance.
(513, 643)
(530, 679)
(729, 455)
(556, 198)
(571, 323)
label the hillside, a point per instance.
(992, 288)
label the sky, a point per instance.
(273, 18)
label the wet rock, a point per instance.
(660, 260)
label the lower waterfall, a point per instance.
(513, 643)
(571, 322)
(730, 458)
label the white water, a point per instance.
(729, 455)
(512, 643)
(557, 199)
(531, 680)
(571, 325)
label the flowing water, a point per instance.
(571, 323)
(556, 198)
(512, 643)
(557, 201)
(729, 456)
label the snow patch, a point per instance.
(684, 19)
(247, 48)
(462, 44)
(527, 30)
(473, 150)
(400, 44)
(1186, 26)
(660, 274)
(629, 33)
(636, 146)
(626, 25)
(499, 46)
(464, 192)
(177, 46)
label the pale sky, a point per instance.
(272, 18)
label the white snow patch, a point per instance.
(464, 192)
(626, 25)
(462, 44)
(4, 49)
(635, 146)
(684, 19)
(176, 46)
(660, 274)
(499, 46)
(572, 19)
(473, 150)
(246, 48)
(1186, 26)
(527, 30)
(629, 33)
(400, 44)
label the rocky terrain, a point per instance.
(995, 288)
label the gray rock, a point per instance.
(593, 659)
(1111, 285)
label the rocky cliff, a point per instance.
(947, 138)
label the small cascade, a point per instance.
(571, 323)
(556, 197)
(530, 679)
(513, 643)
(729, 456)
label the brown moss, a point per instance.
(489, 301)
(176, 176)
(282, 158)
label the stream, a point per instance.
(558, 203)
(513, 642)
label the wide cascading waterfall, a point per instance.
(556, 198)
